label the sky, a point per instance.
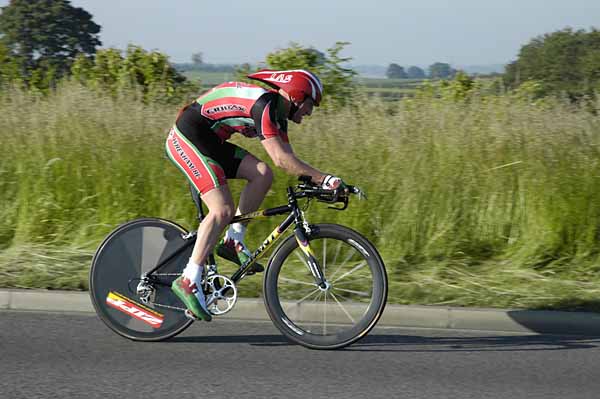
(416, 32)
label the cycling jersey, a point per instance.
(198, 145)
(236, 107)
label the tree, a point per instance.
(338, 81)
(415, 72)
(47, 34)
(440, 70)
(150, 72)
(9, 66)
(197, 59)
(395, 71)
(561, 62)
(302, 57)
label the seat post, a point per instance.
(198, 202)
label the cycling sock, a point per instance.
(236, 232)
(193, 271)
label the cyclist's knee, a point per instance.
(222, 214)
(264, 172)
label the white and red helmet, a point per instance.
(298, 83)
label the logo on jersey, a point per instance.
(223, 108)
(184, 157)
(280, 78)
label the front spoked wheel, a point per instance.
(134, 308)
(342, 312)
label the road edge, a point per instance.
(509, 320)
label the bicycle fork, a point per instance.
(311, 259)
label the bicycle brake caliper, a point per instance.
(305, 224)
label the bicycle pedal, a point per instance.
(190, 315)
(230, 255)
(255, 268)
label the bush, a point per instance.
(149, 72)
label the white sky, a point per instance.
(417, 32)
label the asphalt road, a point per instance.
(48, 355)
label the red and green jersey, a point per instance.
(236, 107)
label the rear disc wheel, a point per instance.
(128, 252)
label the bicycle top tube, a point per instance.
(304, 190)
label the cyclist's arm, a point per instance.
(283, 157)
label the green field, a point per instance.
(488, 202)
(209, 79)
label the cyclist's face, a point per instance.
(305, 108)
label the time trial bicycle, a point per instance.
(324, 287)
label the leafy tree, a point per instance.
(415, 72)
(440, 70)
(459, 88)
(9, 66)
(302, 57)
(561, 62)
(198, 59)
(338, 81)
(47, 34)
(395, 71)
(138, 69)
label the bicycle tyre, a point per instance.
(128, 251)
(302, 329)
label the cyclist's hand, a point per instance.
(332, 183)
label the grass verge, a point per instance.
(493, 201)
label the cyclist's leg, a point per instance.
(220, 211)
(260, 177)
(242, 165)
(208, 178)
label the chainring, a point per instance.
(221, 294)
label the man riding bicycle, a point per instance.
(198, 145)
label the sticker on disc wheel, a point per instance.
(134, 309)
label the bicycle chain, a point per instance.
(168, 307)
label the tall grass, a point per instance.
(492, 201)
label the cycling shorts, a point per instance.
(203, 157)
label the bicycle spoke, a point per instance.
(300, 256)
(318, 297)
(302, 299)
(325, 316)
(345, 299)
(296, 291)
(360, 293)
(337, 251)
(342, 307)
(360, 266)
(351, 254)
(353, 282)
(290, 280)
(324, 262)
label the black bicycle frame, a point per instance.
(295, 216)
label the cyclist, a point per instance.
(198, 145)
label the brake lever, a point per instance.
(361, 194)
(340, 208)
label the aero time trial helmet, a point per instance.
(298, 83)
